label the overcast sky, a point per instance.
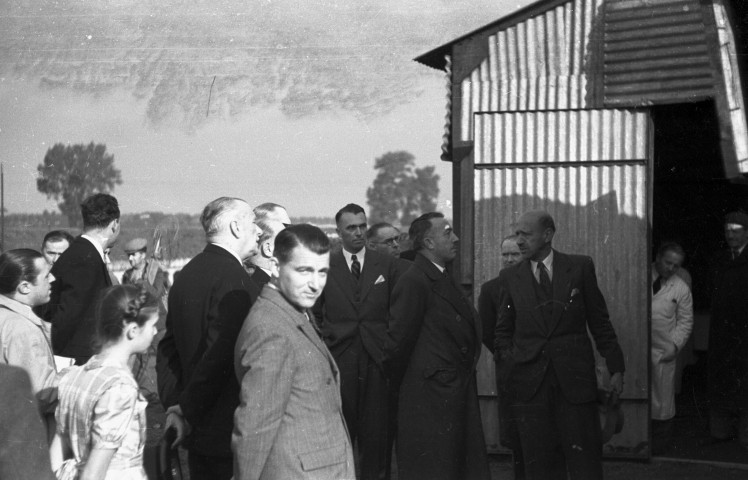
(306, 95)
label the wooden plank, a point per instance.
(660, 63)
(679, 87)
(694, 50)
(652, 22)
(654, 33)
(658, 98)
(686, 41)
(628, 78)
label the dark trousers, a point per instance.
(558, 436)
(203, 467)
(365, 396)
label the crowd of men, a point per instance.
(280, 357)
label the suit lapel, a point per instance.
(446, 288)
(342, 276)
(369, 273)
(527, 282)
(561, 279)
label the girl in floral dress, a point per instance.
(101, 415)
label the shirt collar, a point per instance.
(441, 269)
(96, 245)
(547, 261)
(230, 251)
(19, 308)
(359, 256)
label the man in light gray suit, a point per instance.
(289, 424)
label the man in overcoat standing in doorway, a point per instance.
(433, 348)
(544, 355)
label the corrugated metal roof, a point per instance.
(655, 52)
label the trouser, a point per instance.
(365, 396)
(204, 467)
(558, 436)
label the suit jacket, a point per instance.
(526, 343)
(207, 305)
(290, 423)
(434, 344)
(346, 309)
(24, 454)
(260, 277)
(488, 301)
(80, 276)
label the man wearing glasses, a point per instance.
(384, 238)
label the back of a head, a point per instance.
(308, 236)
(56, 236)
(266, 209)
(214, 216)
(350, 208)
(16, 266)
(99, 210)
(420, 228)
(119, 305)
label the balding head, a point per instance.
(229, 222)
(272, 211)
(535, 230)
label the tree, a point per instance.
(74, 172)
(400, 191)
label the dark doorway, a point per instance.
(690, 199)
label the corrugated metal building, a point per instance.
(576, 107)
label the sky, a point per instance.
(271, 100)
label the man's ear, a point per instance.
(274, 267)
(234, 228)
(265, 250)
(24, 287)
(428, 242)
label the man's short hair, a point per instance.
(213, 214)
(266, 226)
(513, 237)
(546, 221)
(57, 236)
(373, 231)
(350, 208)
(264, 209)
(303, 234)
(99, 210)
(671, 247)
(17, 266)
(420, 227)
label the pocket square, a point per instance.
(574, 291)
(380, 279)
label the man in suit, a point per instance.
(24, 453)
(207, 305)
(352, 313)
(80, 274)
(289, 424)
(262, 259)
(433, 348)
(384, 238)
(544, 355)
(727, 390)
(488, 306)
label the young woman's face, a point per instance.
(145, 334)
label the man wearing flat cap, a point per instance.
(728, 336)
(147, 273)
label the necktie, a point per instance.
(544, 279)
(657, 285)
(355, 267)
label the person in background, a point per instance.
(727, 364)
(432, 350)
(207, 306)
(272, 211)
(101, 416)
(383, 238)
(23, 441)
(81, 274)
(488, 306)
(54, 244)
(672, 321)
(550, 305)
(296, 430)
(262, 260)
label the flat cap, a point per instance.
(738, 218)
(135, 245)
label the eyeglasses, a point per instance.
(391, 242)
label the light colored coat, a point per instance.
(289, 424)
(672, 320)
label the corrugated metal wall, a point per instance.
(655, 51)
(598, 194)
(543, 63)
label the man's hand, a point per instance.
(669, 353)
(175, 420)
(616, 382)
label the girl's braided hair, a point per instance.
(120, 305)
